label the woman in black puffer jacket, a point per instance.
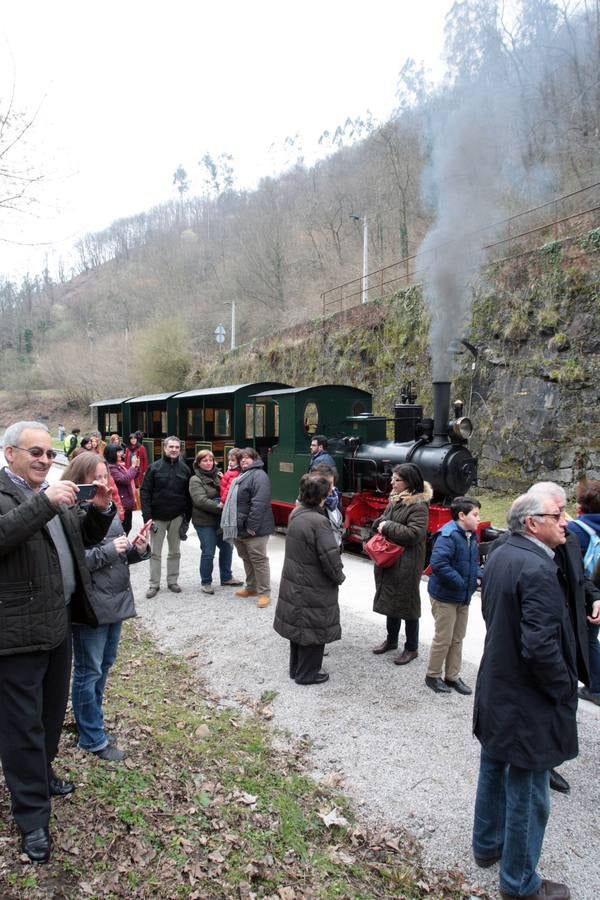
(307, 612)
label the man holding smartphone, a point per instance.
(43, 532)
(166, 499)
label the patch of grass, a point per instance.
(205, 807)
(495, 505)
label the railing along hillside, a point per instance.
(568, 216)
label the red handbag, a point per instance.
(384, 553)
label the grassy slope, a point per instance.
(205, 806)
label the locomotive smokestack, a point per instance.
(441, 408)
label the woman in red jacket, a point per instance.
(124, 478)
(136, 450)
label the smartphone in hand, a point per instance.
(144, 530)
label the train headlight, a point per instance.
(462, 428)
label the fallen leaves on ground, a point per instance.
(205, 806)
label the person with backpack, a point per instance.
(70, 443)
(586, 528)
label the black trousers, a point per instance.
(34, 688)
(305, 662)
(127, 520)
(412, 632)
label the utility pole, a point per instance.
(365, 275)
(232, 304)
(364, 292)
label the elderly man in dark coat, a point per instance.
(583, 598)
(526, 696)
(43, 576)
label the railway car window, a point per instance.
(276, 420)
(255, 427)
(159, 422)
(110, 423)
(222, 423)
(194, 422)
(138, 421)
(311, 418)
(358, 408)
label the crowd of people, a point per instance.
(66, 591)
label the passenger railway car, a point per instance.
(215, 417)
(279, 422)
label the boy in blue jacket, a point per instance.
(454, 573)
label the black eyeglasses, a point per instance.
(555, 516)
(37, 452)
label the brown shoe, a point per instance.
(405, 657)
(548, 890)
(383, 648)
(263, 601)
(233, 582)
(245, 593)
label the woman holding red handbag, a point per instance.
(397, 594)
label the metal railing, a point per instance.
(568, 216)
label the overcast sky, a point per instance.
(129, 90)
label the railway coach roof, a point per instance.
(316, 387)
(152, 398)
(225, 389)
(115, 402)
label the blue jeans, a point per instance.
(210, 539)
(94, 652)
(594, 647)
(511, 811)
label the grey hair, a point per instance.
(548, 489)
(172, 437)
(13, 433)
(526, 505)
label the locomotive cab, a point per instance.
(302, 413)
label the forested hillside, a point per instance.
(515, 121)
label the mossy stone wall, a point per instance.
(534, 390)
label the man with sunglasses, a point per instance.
(43, 575)
(526, 694)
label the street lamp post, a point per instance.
(365, 268)
(232, 304)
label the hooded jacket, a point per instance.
(112, 596)
(397, 587)
(254, 511)
(454, 565)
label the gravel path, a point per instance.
(406, 755)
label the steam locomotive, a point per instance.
(365, 457)
(279, 422)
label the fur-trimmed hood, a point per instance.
(424, 497)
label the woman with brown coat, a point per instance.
(397, 594)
